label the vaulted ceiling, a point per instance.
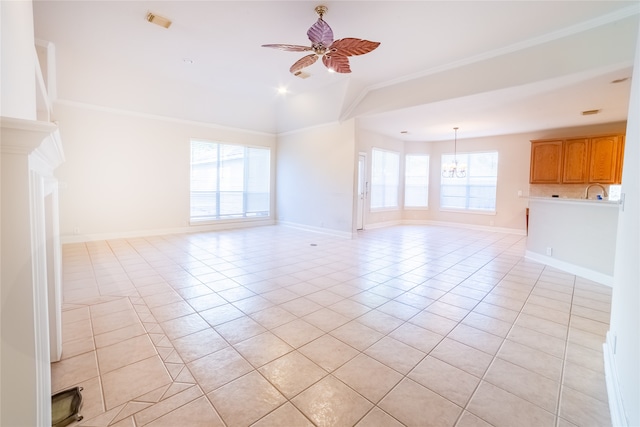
(489, 67)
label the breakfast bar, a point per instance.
(575, 235)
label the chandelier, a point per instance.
(454, 169)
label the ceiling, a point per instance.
(488, 67)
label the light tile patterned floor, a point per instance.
(274, 326)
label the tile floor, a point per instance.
(273, 326)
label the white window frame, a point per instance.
(250, 189)
(474, 180)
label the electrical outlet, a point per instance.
(549, 251)
(519, 193)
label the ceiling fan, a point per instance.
(334, 53)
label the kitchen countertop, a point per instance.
(580, 201)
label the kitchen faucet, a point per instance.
(586, 192)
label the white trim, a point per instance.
(328, 231)
(158, 117)
(54, 262)
(40, 298)
(383, 224)
(603, 279)
(65, 239)
(51, 86)
(308, 128)
(616, 406)
(41, 87)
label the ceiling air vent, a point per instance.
(158, 20)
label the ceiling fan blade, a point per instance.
(303, 62)
(350, 46)
(320, 33)
(289, 47)
(337, 63)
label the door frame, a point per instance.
(362, 186)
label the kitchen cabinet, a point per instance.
(575, 165)
(546, 162)
(585, 160)
(605, 164)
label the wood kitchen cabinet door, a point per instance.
(620, 160)
(546, 162)
(575, 168)
(605, 159)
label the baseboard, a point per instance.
(616, 407)
(321, 230)
(383, 224)
(376, 225)
(81, 238)
(603, 279)
(467, 226)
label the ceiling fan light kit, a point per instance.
(454, 169)
(334, 53)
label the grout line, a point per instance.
(495, 356)
(173, 248)
(564, 357)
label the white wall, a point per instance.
(315, 176)
(18, 65)
(623, 340)
(128, 174)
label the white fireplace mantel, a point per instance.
(30, 269)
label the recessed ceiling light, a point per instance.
(158, 20)
(283, 90)
(624, 79)
(590, 112)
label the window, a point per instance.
(615, 192)
(385, 171)
(416, 181)
(229, 181)
(477, 190)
